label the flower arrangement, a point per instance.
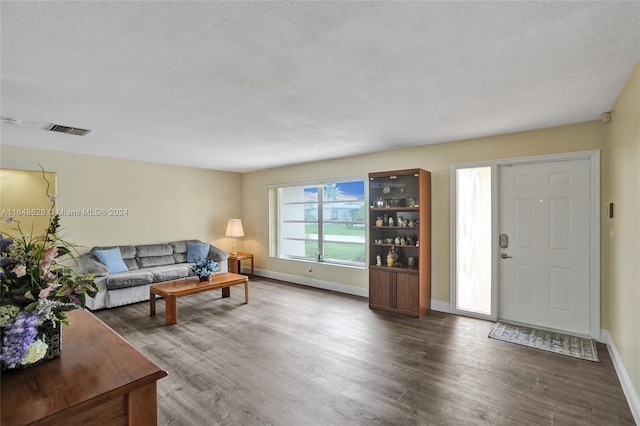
(203, 268)
(35, 288)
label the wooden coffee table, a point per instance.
(171, 290)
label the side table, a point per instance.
(235, 262)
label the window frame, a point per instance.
(275, 228)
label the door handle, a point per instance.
(505, 256)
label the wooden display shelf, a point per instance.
(404, 268)
(402, 289)
(395, 209)
(393, 245)
(409, 228)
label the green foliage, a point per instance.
(32, 277)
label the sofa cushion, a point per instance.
(128, 252)
(147, 262)
(150, 255)
(112, 258)
(180, 246)
(149, 250)
(197, 251)
(132, 264)
(129, 279)
(180, 249)
(180, 257)
(89, 264)
(217, 254)
(169, 272)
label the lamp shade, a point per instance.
(234, 228)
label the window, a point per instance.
(324, 223)
(473, 240)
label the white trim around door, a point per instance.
(594, 243)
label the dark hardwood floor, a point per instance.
(302, 356)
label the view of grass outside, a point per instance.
(336, 250)
(336, 229)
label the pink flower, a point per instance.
(20, 271)
(49, 255)
(44, 293)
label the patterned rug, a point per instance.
(577, 347)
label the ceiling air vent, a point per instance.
(69, 130)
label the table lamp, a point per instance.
(234, 230)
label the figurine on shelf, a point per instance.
(411, 224)
(411, 202)
(378, 260)
(385, 220)
(392, 256)
(401, 222)
(397, 241)
(379, 221)
(390, 221)
(379, 203)
(403, 242)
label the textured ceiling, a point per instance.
(244, 86)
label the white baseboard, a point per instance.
(312, 282)
(436, 305)
(439, 306)
(623, 376)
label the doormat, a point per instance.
(577, 347)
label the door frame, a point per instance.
(594, 243)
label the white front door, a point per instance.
(545, 266)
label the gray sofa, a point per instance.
(147, 264)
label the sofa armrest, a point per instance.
(89, 264)
(217, 254)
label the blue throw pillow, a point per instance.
(197, 251)
(112, 258)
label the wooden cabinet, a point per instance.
(400, 224)
(380, 289)
(99, 379)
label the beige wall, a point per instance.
(23, 197)
(435, 158)
(162, 203)
(622, 269)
